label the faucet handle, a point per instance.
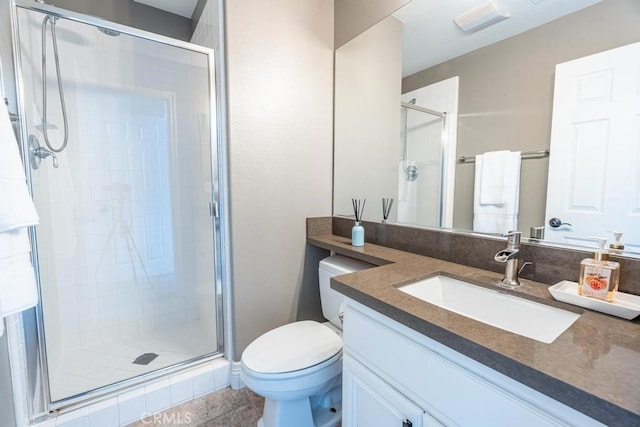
(524, 265)
(513, 237)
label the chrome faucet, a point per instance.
(509, 256)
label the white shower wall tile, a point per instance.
(107, 417)
(181, 390)
(222, 378)
(131, 409)
(79, 418)
(158, 396)
(132, 404)
(204, 384)
(18, 361)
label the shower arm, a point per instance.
(54, 40)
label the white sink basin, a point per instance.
(520, 316)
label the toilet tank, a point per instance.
(335, 265)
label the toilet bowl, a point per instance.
(297, 367)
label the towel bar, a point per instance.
(524, 155)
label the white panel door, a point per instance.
(594, 168)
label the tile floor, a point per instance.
(95, 366)
(224, 408)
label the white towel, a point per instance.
(17, 285)
(493, 182)
(498, 218)
(18, 289)
(16, 206)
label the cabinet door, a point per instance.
(368, 401)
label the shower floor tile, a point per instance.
(96, 366)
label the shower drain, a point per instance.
(145, 359)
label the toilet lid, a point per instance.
(292, 347)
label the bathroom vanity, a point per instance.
(411, 363)
(395, 375)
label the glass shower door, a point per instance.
(420, 169)
(126, 241)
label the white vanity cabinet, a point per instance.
(395, 376)
(373, 402)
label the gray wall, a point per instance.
(136, 15)
(280, 112)
(363, 144)
(506, 95)
(352, 17)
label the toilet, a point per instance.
(297, 367)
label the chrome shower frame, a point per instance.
(39, 399)
(411, 173)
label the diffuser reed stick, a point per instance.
(386, 208)
(358, 208)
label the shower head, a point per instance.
(109, 32)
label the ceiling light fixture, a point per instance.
(480, 17)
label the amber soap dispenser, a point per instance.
(599, 276)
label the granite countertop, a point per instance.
(594, 366)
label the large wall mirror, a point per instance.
(415, 93)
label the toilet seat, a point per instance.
(292, 347)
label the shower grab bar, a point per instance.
(525, 155)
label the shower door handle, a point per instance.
(213, 209)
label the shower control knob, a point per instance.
(39, 153)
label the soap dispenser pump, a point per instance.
(599, 276)
(616, 246)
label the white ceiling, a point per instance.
(179, 7)
(431, 37)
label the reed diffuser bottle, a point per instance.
(357, 232)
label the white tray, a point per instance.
(624, 305)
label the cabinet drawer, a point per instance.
(431, 375)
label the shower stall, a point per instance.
(118, 129)
(421, 168)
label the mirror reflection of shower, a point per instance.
(421, 164)
(410, 169)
